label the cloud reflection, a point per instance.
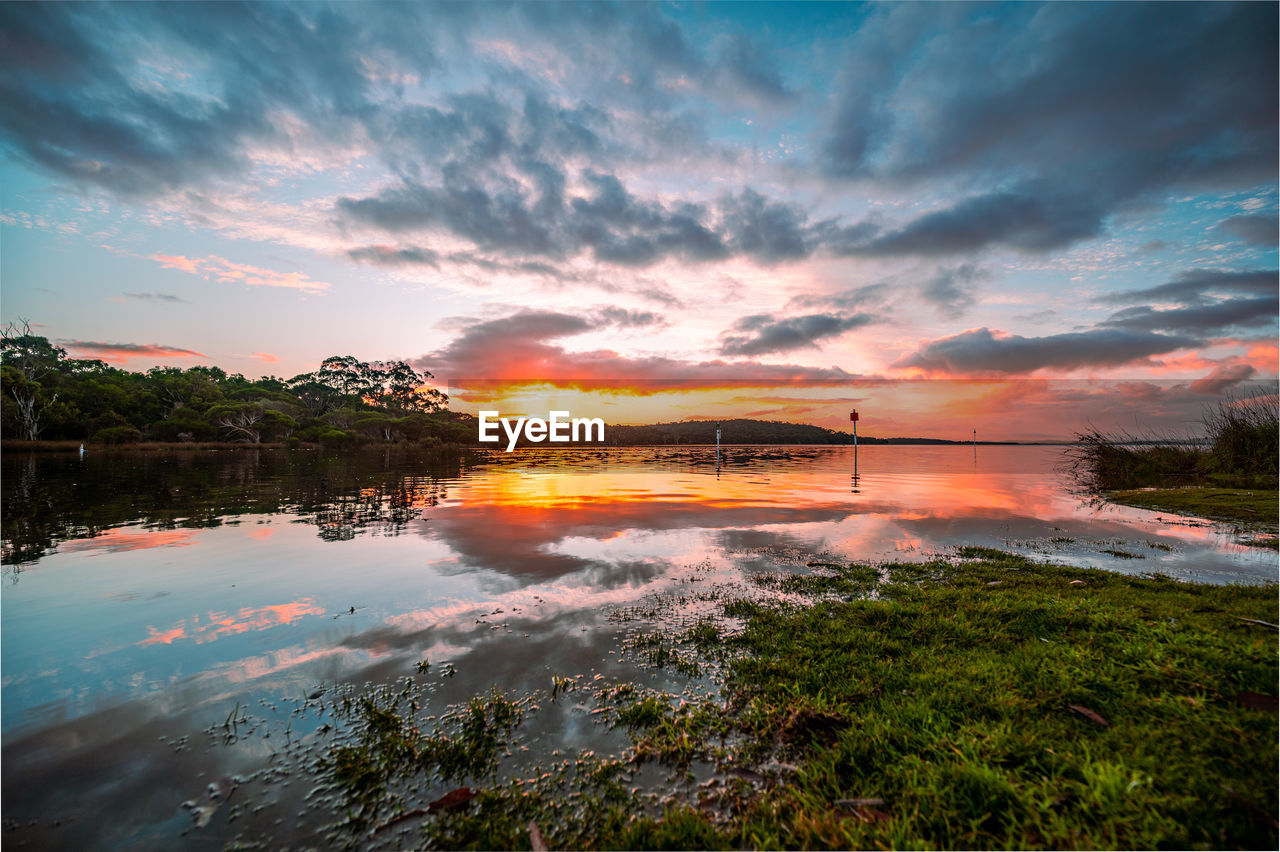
(217, 624)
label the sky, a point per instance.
(1018, 218)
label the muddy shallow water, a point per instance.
(150, 598)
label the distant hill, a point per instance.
(746, 432)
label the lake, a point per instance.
(153, 603)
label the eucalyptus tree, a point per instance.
(26, 359)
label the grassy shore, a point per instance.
(1251, 507)
(981, 702)
(1229, 473)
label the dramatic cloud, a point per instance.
(537, 216)
(761, 334)
(76, 101)
(84, 96)
(1205, 320)
(835, 177)
(223, 270)
(1032, 219)
(1196, 286)
(981, 351)
(1071, 114)
(1259, 230)
(121, 353)
(517, 349)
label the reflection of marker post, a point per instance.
(717, 445)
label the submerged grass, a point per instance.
(1248, 506)
(984, 702)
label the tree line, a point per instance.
(49, 396)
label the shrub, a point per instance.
(1244, 434)
(117, 435)
(336, 439)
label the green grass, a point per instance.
(951, 701)
(949, 704)
(1256, 507)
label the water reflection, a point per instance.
(217, 624)
(57, 498)
(154, 592)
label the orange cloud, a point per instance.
(122, 353)
(517, 351)
(226, 271)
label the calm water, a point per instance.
(146, 596)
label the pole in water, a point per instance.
(853, 415)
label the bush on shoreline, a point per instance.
(1238, 450)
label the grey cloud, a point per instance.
(1031, 219)
(380, 255)
(1072, 109)
(126, 350)
(950, 290)
(761, 334)
(845, 300)
(742, 63)
(638, 40)
(631, 319)
(1259, 230)
(75, 103)
(1201, 319)
(154, 297)
(1196, 286)
(768, 231)
(608, 221)
(981, 351)
(622, 229)
(99, 94)
(491, 219)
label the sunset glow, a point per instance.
(660, 212)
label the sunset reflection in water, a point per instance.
(314, 569)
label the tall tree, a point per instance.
(26, 359)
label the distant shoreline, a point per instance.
(14, 445)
